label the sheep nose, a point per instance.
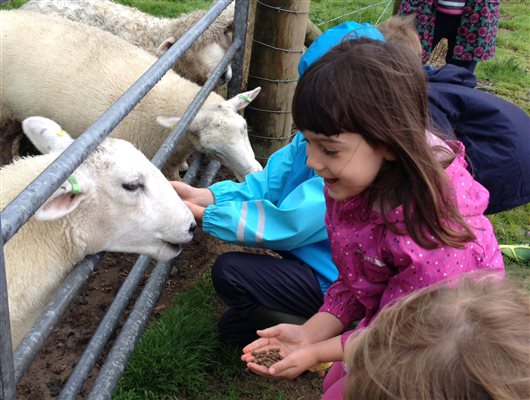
(193, 225)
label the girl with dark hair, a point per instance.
(402, 211)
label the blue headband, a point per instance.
(333, 36)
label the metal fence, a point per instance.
(13, 365)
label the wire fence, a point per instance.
(325, 14)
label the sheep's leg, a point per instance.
(183, 166)
(172, 170)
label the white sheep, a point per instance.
(154, 34)
(72, 73)
(116, 200)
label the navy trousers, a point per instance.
(247, 282)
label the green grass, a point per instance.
(179, 355)
(514, 227)
(165, 8)
(509, 69)
(338, 11)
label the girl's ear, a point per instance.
(388, 154)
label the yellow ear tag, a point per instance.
(61, 133)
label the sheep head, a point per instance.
(221, 133)
(207, 51)
(117, 197)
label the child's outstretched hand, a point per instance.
(289, 367)
(197, 211)
(286, 337)
(199, 196)
(197, 199)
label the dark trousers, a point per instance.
(447, 27)
(249, 282)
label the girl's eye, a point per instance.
(132, 187)
(329, 152)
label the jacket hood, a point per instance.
(333, 36)
(452, 74)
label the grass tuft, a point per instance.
(177, 353)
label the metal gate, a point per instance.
(13, 365)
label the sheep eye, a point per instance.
(132, 187)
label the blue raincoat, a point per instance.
(282, 207)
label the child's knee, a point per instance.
(226, 267)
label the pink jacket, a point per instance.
(377, 266)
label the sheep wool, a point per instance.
(151, 33)
(72, 73)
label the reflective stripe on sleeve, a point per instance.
(242, 223)
(261, 222)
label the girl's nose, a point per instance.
(312, 161)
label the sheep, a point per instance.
(72, 73)
(156, 35)
(116, 200)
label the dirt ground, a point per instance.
(52, 366)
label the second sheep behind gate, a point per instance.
(154, 34)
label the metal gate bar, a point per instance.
(7, 373)
(28, 201)
(36, 337)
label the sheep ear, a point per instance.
(229, 31)
(242, 100)
(168, 122)
(165, 45)
(46, 135)
(64, 200)
(171, 122)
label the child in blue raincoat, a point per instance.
(280, 208)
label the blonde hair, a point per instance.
(402, 31)
(465, 342)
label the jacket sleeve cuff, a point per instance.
(343, 316)
(207, 225)
(220, 192)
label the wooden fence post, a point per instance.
(397, 3)
(278, 43)
(311, 33)
(248, 45)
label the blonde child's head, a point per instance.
(379, 91)
(465, 342)
(401, 30)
